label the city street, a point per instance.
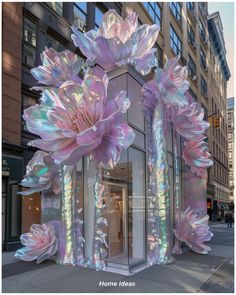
(190, 272)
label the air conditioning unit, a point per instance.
(206, 41)
(206, 68)
(195, 78)
(80, 24)
(195, 45)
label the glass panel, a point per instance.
(29, 55)
(29, 32)
(136, 219)
(15, 206)
(56, 6)
(135, 112)
(115, 212)
(98, 16)
(31, 211)
(139, 139)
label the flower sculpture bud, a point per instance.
(169, 85)
(57, 68)
(40, 243)
(85, 123)
(189, 123)
(196, 155)
(41, 174)
(193, 231)
(118, 42)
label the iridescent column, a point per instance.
(177, 197)
(100, 244)
(71, 252)
(162, 183)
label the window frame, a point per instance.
(191, 67)
(85, 13)
(203, 87)
(191, 35)
(174, 10)
(27, 43)
(179, 50)
(152, 6)
(203, 61)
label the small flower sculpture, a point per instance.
(85, 122)
(57, 68)
(193, 231)
(41, 174)
(196, 155)
(169, 85)
(118, 42)
(189, 123)
(40, 243)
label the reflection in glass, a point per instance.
(136, 222)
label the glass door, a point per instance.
(115, 196)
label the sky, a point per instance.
(226, 10)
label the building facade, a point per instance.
(230, 109)
(184, 31)
(218, 75)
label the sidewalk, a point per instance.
(189, 273)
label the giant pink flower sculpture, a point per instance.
(86, 122)
(169, 85)
(189, 123)
(57, 68)
(118, 42)
(193, 231)
(196, 155)
(41, 174)
(40, 243)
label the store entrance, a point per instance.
(115, 196)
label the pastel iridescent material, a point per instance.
(119, 42)
(196, 155)
(100, 244)
(193, 231)
(169, 85)
(85, 123)
(40, 243)
(189, 123)
(57, 68)
(41, 174)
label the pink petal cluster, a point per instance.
(82, 122)
(41, 174)
(193, 231)
(57, 68)
(188, 122)
(169, 85)
(196, 155)
(118, 42)
(39, 244)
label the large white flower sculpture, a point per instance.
(40, 243)
(193, 231)
(42, 173)
(118, 42)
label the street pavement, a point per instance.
(190, 272)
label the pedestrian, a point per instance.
(230, 220)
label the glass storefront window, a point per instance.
(29, 49)
(57, 6)
(80, 15)
(98, 17)
(136, 205)
(31, 211)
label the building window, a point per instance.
(190, 5)
(154, 11)
(175, 42)
(50, 42)
(159, 55)
(27, 102)
(202, 58)
(192, 94)
(203, 87)
(29, 50)
(191, 67)
(202, 30)
(98, 16)
(56, 6)
(80, 14)
(191, 35)
(175, 8)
